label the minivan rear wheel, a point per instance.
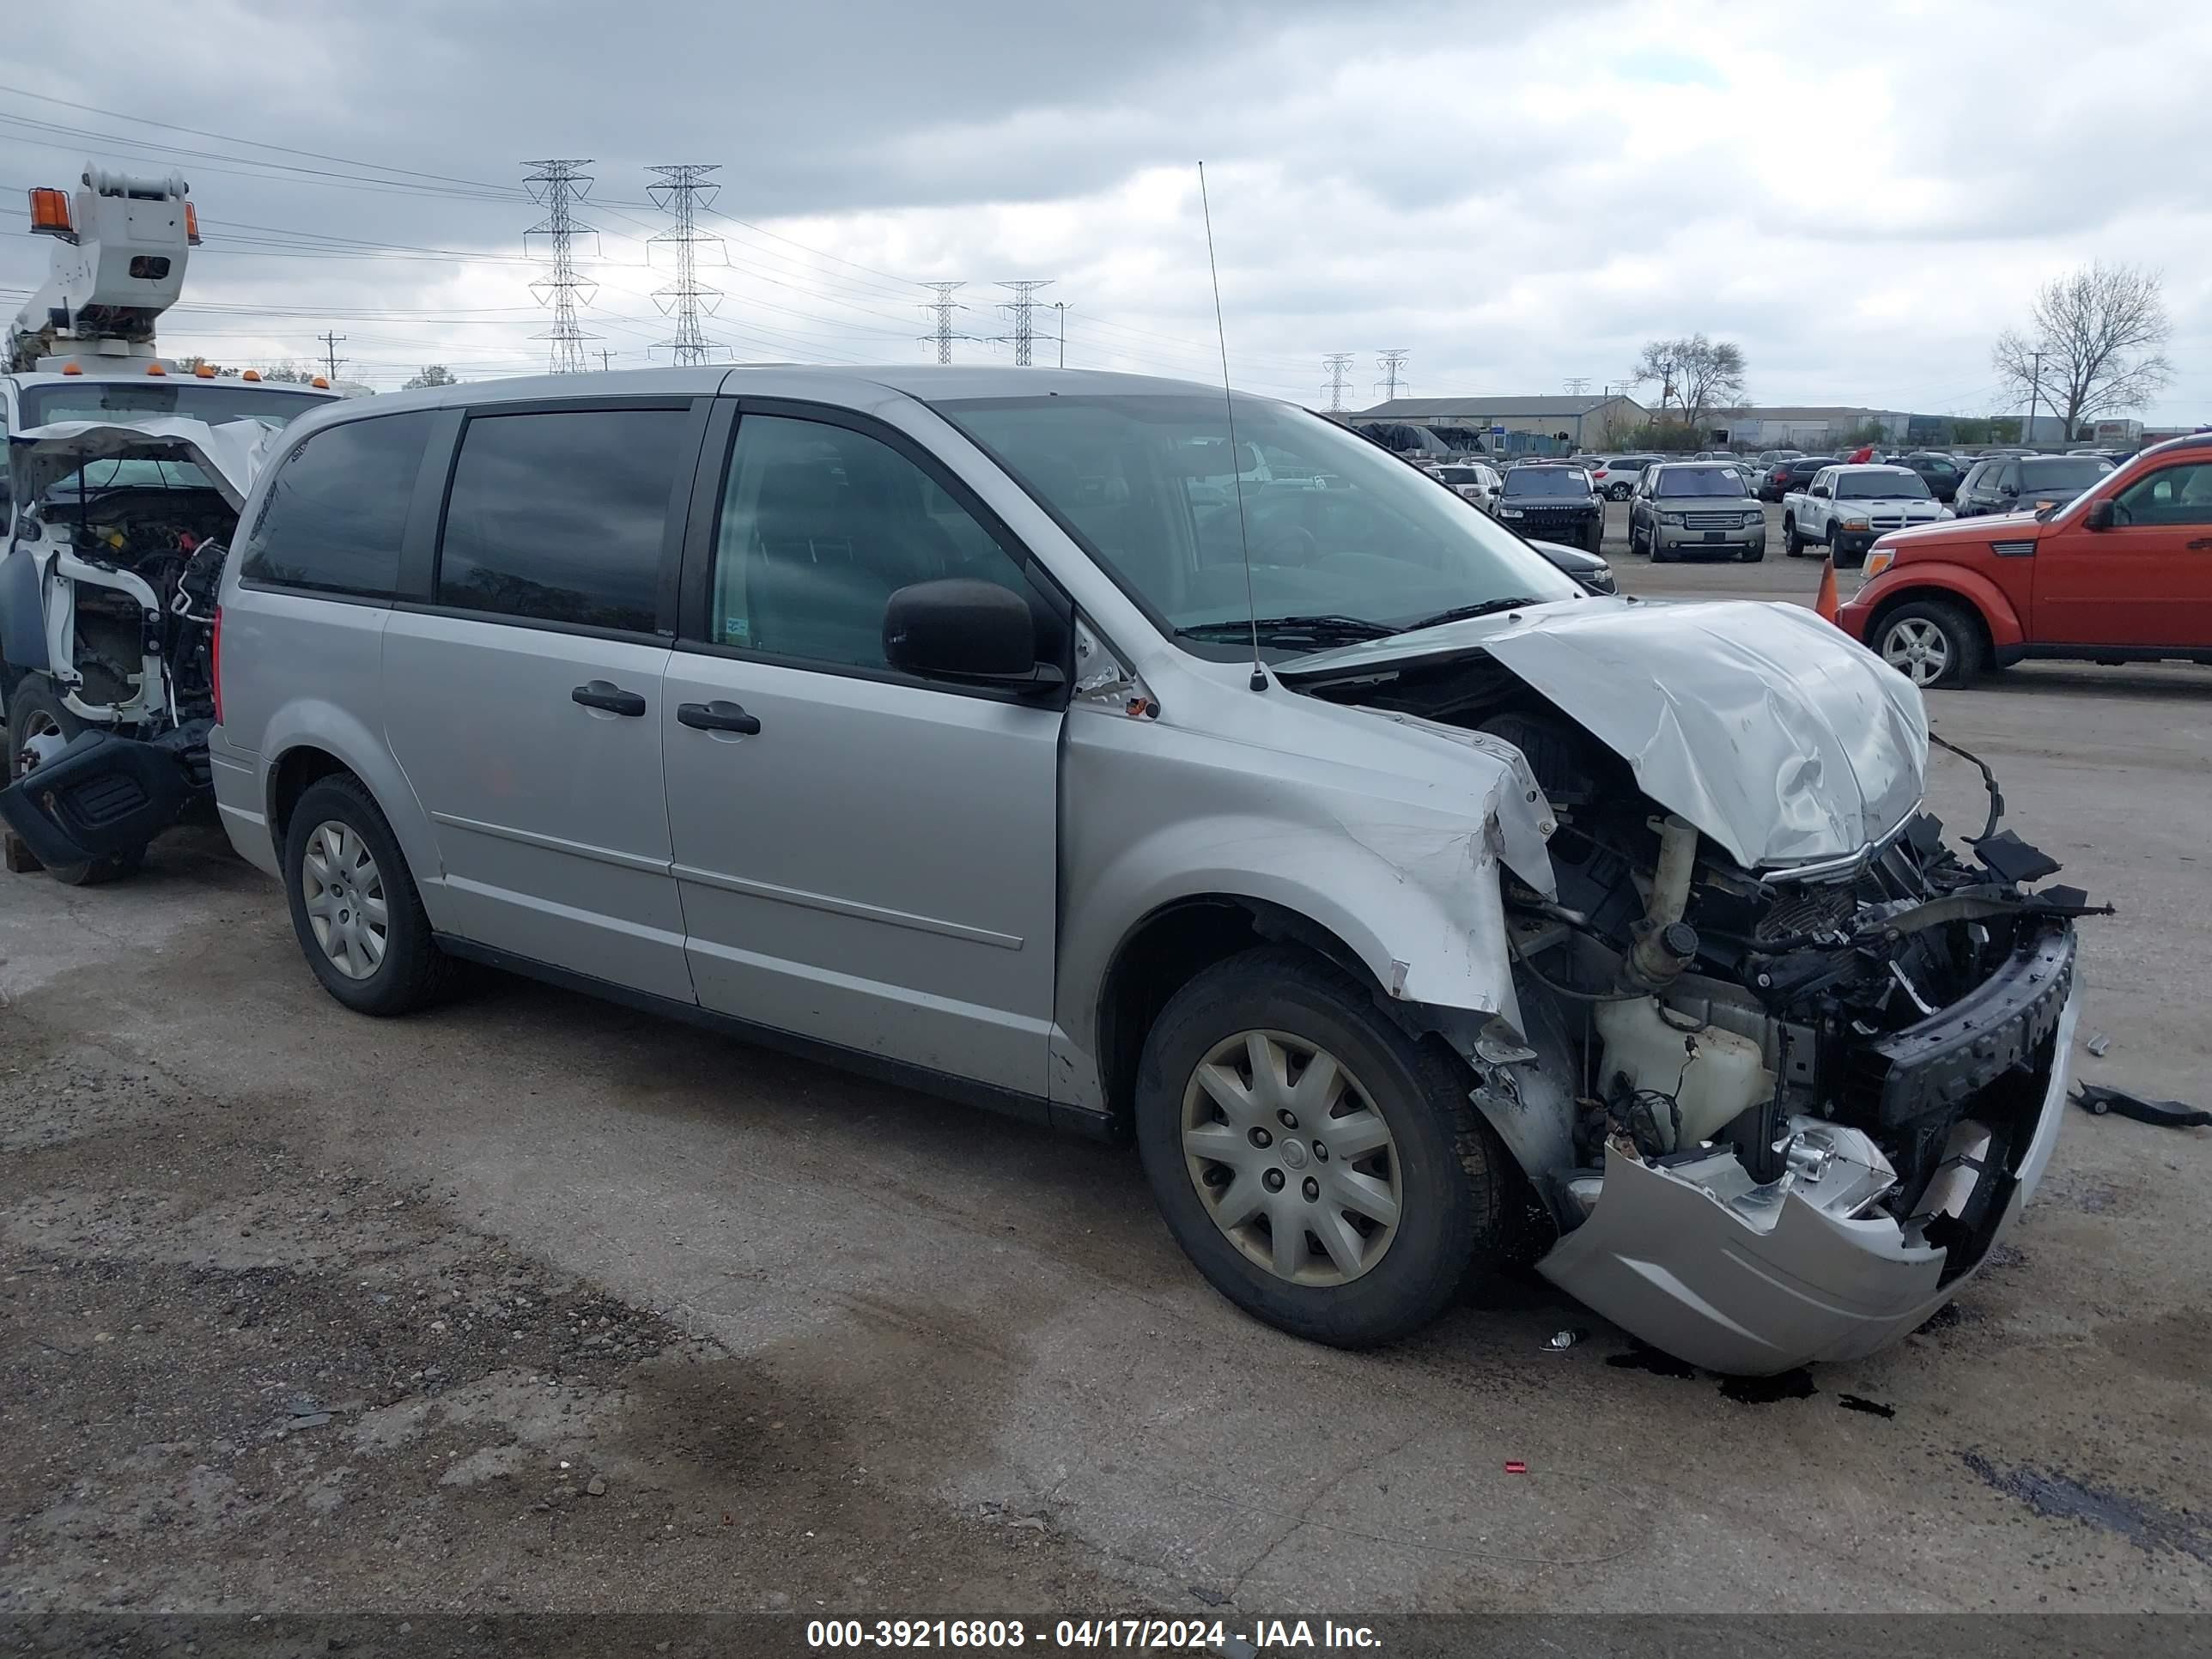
(1323, 1168)
(359, 919)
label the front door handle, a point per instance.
(717, 716)
(2202, 544)
(605, 693)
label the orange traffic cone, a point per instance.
(1825, 605)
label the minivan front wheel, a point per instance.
(355, 908)
(1323, 1168)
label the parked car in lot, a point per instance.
(1783, 477)
(1696, 508)
(1588, 570)
(1941, 473)
(1767, 459)
(1471, 480)
(910, 719)
(1615, 477)
(2011, 484)
(1845, 508)
(1551, 502)
(2122, 572)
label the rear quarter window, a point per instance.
(334, 514)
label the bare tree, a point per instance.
(2092, 344)
(1702, 375)
(432, 375)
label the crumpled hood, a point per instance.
(230, 454)
(1777, 735)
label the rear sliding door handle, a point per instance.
(717, 716)
(2202, 544)
(605, 693)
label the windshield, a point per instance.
(1881, 486)
(128, 473)
(1459, 475)
(1547, 481)
(2070, 473)
(213, 402)
(1698, 481)
(1358, 535)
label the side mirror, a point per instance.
(2101, 515)
(967, 632)
(1821, 490)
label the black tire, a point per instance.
(34, 699)
(1966, 651)
(1755, 554)
(1455, 1179)
(1616, 492)
(413, 971)
(1594, 542)
(1793, 544)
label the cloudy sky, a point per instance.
(1862, 195)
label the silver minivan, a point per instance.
(1417, 913)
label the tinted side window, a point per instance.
(335, 510)
(560, 516)
(820, 526)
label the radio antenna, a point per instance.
(1235, 465)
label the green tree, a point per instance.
(432, 375)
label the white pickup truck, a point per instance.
(1847, 509)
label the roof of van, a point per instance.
(927, 382)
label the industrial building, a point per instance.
(1553, 424)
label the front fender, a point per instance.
(1407, 878)
(1958, 580)
(22, 616)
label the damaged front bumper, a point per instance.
(103, 795)
(1690, 1254)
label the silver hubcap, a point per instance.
(344, 893)
(1917, 649)
(1290, 1158)
(39, 742)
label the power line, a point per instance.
(1022, 308)
(559, 186)
(944, 306)
(681, 193)
(1339, 365)
(330, 343)
(1390, 362)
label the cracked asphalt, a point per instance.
(533, 1303)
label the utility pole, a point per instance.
(1339, 365)
(559, 186)
(331, 358)
(682, 191)
(2034, 387)
(606, 359)
(1060, 306)
(1390, 362)
(1022, 307)
(943, 305)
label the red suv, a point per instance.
(2120, 574)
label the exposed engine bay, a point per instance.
(1830, 1080)
(130, 597)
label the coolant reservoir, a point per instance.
(1714, 1075)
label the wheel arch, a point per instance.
(311, 742)
(1981, 598)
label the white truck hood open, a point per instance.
(229, 452)
(1765, 726)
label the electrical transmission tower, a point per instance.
(1022, 307)
(1390, 362)
(559, 186)
(943, 305)
(1339, 365)
(682, 191)
(1576, 385)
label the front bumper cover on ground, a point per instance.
(104, 796)
(1751, 1281)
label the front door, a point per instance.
(864, 859)
(523, 702)
(2147, 579)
